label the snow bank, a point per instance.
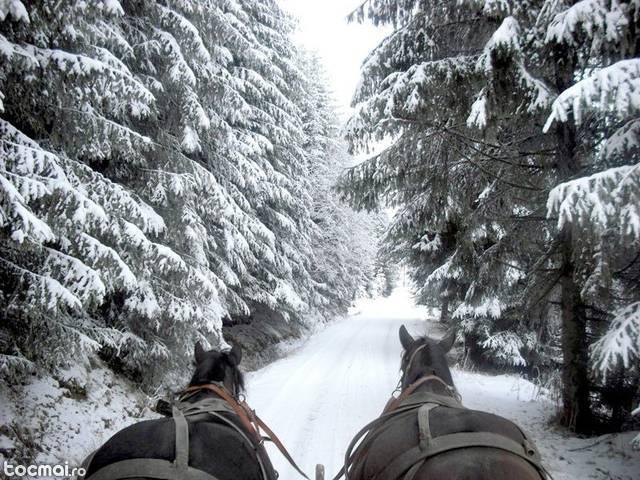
(53, 420)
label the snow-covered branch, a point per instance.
(613, 90)
(621, 344)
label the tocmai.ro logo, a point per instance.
(43, 470)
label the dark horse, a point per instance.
(426, 433)
(216, 444)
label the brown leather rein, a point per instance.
(248, 418)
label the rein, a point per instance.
(248, 418)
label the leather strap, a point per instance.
(411, 474)
(276, 441)
(249, 420)
(367, 434)
(454, 441)
(237, 409)
(148, 468)
(394, 403)
(424, 429)
(182, 444)
(420, 398)
(407, 367)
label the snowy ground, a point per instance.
(315, 399)
(322, 394)
(61, 424)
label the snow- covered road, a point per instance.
(320, 396)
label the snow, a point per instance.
(144, 301)
(287, 294)
(504, 41)
(83, 281)
(325, 391)
(506, 36)
(22, 220)
(491, 7)
(604, 200)
(593, 17)
(113, 7)
(15, 8)
(622, 342)
(173, 18)
(506, 347)
(72, 415)
(190, 140)
(625, 139)
(478, 115)
(614, 89)
(315, 399)
(426, 245)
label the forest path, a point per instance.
(317, 398)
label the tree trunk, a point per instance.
(444, 309)
(576, 408)
(576, 411)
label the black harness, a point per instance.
(419, 404)
(201, 410)
(406, 465)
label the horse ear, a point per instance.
(405, 338)
(235, 355)
(199, 352)
(448, 340)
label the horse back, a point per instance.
(214, 448)
(401, 433)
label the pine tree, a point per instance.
(342, 239)
(464, 90)
(463, 208)
(155, 180)
(70, 231)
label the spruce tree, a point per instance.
(465, 91)
(155, 180)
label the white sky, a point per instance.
(342, 46)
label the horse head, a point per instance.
(425, 356)
(213, 366)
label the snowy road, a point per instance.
(320, 396)
(317, 398)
